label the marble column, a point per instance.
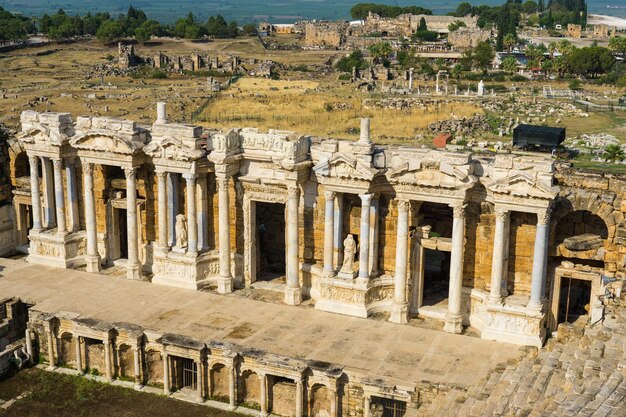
(225, 280)
(172, 206)
(299, 397)
(137, 367)
(72, 195)
(329, 225)
(93, 257)
(367, 406)
(107, 360)
(166, 374)
(51, 360)
(373, 257)
(192, 221)
(48, 193)
(293, 292)
(35, 193)
(364, 238)
(203, 213)
(133, 267)
(399, 309)
(162, 214)
(232, 388)
(79, 359)
(263, 389)
(454, 317)
(338, 232)
(333, 401)
(540, 261)
(500, 251)
(59, 196)
(29, 346)
(200, 379)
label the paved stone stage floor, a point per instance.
(402, 353)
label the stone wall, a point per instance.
(468, 38)
(521, 247)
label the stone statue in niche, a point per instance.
(181, 231)
(349, 250)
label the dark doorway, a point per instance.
(123, 235)
(386, 407)
(185, 373)
(271, 247)
(436, 276)
(574, 300)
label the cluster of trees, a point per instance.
(354, 60)
(14, 27)
(563, 12)
(361, 10)
(423, 34)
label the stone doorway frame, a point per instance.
(22, 206)
(113, 233)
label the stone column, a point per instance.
(399, 310)
(192, 221)
(79, 359)
(172, 206)
(162, 214)
(329, 225)
(107, 360)
(500, 251)
(59, 196)
(540, 261)
(364, 238)
(454, 317)
(373, 257)
(72, 195)
(263, 389)
(29, 346)
(93, 257)
(333, 401)
(34, 193)
(133, 266)
(200, 380)
(299, 398)
(51, 359)
(293, 292)
(203, 213)
(225, 280)
(367, 405)
(232, 388)
(166, 374)
(338, 232)
(137, 367)
(48, 193)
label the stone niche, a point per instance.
(282, 396)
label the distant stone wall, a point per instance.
(468, 38)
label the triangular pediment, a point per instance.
(106, 142)
(415, 173)
(522, 184)
(39, 133)
(345, 166)
(172, 149)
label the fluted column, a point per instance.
(293, 292)
(93, 257)
(232, 388)
(48, 193)
(263, 389)
(299, 397)
(338, 232)
(192, 221)
(399, 310)
(79, 359)
(203, 215)
(51, 360)
(166, 373)
(133, 270)
(540, 261)
(137, 366)
(59, 196)
(500, 251)
(329, 225)
(373, 256)
(162, 204)
(107, 360)
(172, 207)
(35, 193)
(454, 317)
(364, 238)
(72, 196)
(225, 280)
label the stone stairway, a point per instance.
(582, 373)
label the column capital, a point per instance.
(293, 192)
(57, 162)
(329, 195)
(403, 206)
(501, 213)
(222, 182)
(33, 159)
(543, 218)
(130, 172)
(458, 210)
(161, 174)
(87, 168)
(366, 199)
(188, 176)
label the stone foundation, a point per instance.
(61, 251)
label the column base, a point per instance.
(293, 296)
(232, 407)
(399, 314)
(499, 300)
(137, 387)
(133, 271)
(535, 306)
(362, 280)
(453, 323)
(93, 263)
(225, 285)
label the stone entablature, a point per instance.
(358, 217)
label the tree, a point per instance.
(217, 26)
(422, 27)
(109, 31)
(354, 60)
(529, 7)
(147, 29)
(591, 61)
(456, 25)
(250, 29)
(380, 51)
(509, 64)
(618, 45)
(463, 9)
(483, 56)
(613, 153)
(509, 41)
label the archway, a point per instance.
(220, 380)
(249, 389)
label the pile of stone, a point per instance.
(593, 144)
(465, 125)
